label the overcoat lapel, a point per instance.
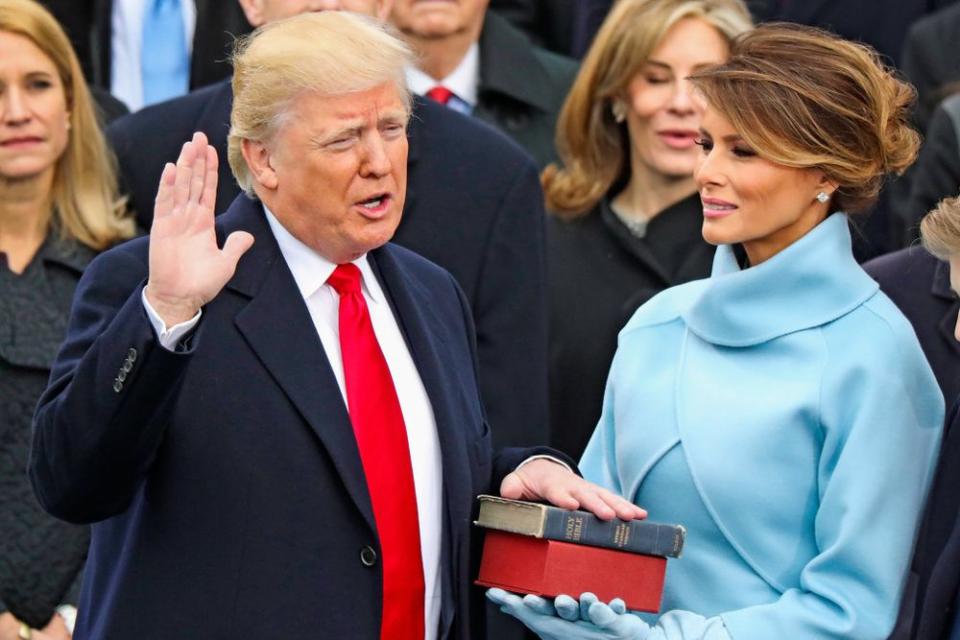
(423, 331)
(279, 330)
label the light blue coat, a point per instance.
(786, 415)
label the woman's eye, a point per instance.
(743, 152)
(704, 143)
(657, 80)
(40, 84)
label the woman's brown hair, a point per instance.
(592, 146)
(85, 200)
(803, 97)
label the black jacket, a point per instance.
(521, 87)
(599, 274)
(40, 557)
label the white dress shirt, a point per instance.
(310, 272)
(126, 32)
(463, 81)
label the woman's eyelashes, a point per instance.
(739, 150)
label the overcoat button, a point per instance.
(117, 385)
(132, 355)
(368, 556)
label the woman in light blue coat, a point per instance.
(782, 409)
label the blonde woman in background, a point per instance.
(626, 215)
(782, 410)
(58, 208)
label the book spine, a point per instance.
(636, 536)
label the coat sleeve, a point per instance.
(100, 421)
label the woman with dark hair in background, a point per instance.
(58, 208)
(782, 410)
(626, 221)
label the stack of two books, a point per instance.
(544, 550)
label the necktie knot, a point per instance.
(440, 94)
(345, 279)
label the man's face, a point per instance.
(436, 19)
(335, 173)
(260, 12)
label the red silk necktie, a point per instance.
(440, 94)
(382, 440)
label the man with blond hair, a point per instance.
(272, 418)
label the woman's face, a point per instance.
(750, 200)
(34, 121)
(662, 115)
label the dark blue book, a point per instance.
(580, 527)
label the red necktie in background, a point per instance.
(382, 440)
(440, 94)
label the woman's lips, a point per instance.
(717, 208)
(25, 141)
(678, 138)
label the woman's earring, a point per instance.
(619, 111)
(823, 197)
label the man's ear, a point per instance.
(259, 162)
(253, 9)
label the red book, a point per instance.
(524, 564)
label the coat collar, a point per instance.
(813, 281)
(509, 66)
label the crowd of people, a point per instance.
(267, 328)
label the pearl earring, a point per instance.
(619, 111)
(823, 197)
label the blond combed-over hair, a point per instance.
(593, 147)
(805, 98)
(330, 53)
(84, 197)
(940, 229)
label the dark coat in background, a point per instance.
(40, 557)
(224, 481)
(549, 23)
(473, 206)
(919, 285)
(219, 22)
(930, 604)
(599, 273)
(936, 174)
(882, 24)
(929, 61)
(521, 87)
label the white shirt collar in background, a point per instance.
(464, 80)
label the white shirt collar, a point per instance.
(463, 81)
(311, 270)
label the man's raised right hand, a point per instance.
(187, 268)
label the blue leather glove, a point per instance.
(567, 619)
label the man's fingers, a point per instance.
(236, 245)
(163, 203)
(181, 186)
(209, 196)
(198, 175)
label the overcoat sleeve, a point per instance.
(100, 421)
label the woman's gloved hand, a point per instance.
(568, 619)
